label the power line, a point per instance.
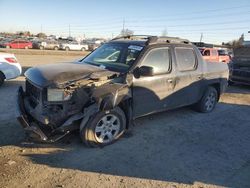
(199, 24)
(189, 18)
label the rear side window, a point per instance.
(159, 59)
(186, 59)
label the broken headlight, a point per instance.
(54, 95)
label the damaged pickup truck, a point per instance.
(239, 66)
(122, 80)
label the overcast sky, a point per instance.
(218, 20)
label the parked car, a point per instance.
(4, 41)
(48, 45)
(9, 67)
(17, 44)
(239, 66)
(214, 55)
(74, 45)
(120, 81)
(210, 54)
(92, 46)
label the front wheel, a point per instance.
(208, 101)
(104, 128)
(2, 78)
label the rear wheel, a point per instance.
(41, 48)
(208, 101)
(8, 47)
(83, 49)
(104, 128)
(26, 47)
(56, 48)
(67, 49)
(2, 78)
(230, 83)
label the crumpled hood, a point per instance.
(55, 74)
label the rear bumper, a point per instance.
(11, 71)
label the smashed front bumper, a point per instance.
(31, 126)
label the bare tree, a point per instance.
(236, 43)
(126, 32)
(41, 35)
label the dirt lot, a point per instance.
(179, 148)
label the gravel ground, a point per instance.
(179, 148)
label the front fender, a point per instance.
(111, 95)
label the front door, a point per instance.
(150, 93)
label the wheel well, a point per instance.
(2, 74)
(127, 109)
(217, 87)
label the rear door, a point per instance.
(188, 87)
(75, 46)
(150, 94)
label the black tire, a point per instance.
(92, 137)
(56, 48)
(67, 49)
(208, 101)
(230, 83)
(2, 78)
(83, 49)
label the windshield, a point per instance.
(114, 56)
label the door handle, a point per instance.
(170, 81)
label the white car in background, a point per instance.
(74, 45)
(9, 67)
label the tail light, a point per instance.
(11, 59)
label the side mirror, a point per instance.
(143, 71)
(146, 71)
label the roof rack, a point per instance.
(172, 40)
(153, 39)
(133, 37)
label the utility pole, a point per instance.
(69, 31)
(201, 37)
(123, 24)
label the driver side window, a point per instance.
(159, 59)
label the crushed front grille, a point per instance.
(33, 91)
